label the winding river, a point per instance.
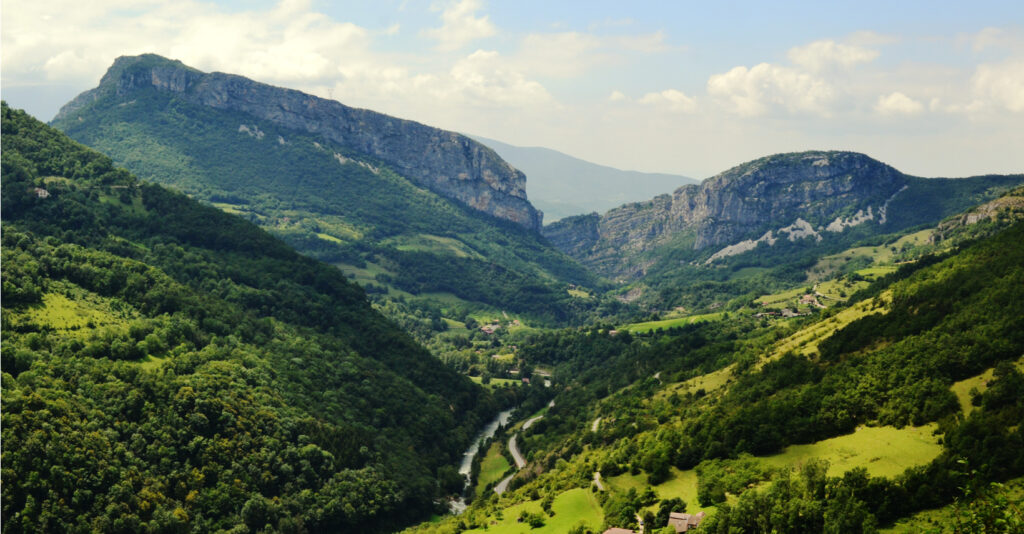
(459, 505)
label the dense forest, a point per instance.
(172, 368)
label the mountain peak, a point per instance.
(149, 70)
(447, 163)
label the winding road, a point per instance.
(513, 449)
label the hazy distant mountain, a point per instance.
(561, 185)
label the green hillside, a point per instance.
(844, 420)
(335, 203)
(168, 367)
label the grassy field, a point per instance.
(571, 508)
(709, 382)
(805, 341)
(839, 290)
(682, 484)
(497, 382)
(877, 256)
(783, 299)
(83, 311)
(884, 451)
(669, 323)
(492, 467)
(432, 243)
(963, 388)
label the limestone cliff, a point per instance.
(802, 195)
(447, 163)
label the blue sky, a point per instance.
(934, 88)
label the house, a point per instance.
(617, 530)
(41, 193)
(684, 522)
(490, 328)
(809, 299)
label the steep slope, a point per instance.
(735, 417)
(170, 367)
(444, 162)
(346, 186)
(562, 185)
(770, 213)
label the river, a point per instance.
(466, 467)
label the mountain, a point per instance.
(562, 185)
(753, 215)
(444, 162)
(412, 212)
(171, 367)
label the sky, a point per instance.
(933, 88)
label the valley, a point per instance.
(270, 312)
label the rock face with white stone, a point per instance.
(786, 196)
(447, 163)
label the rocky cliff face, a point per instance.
(795, 195)
(445, 162)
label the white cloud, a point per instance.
(484, 78)
(617, 96)
(898, 103)
(764, 87)
(986, 38)
(69, 43)
(670, 99)
(823, 54)
(461, 25)
(998, 86)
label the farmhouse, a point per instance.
(684, 522)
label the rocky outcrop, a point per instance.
(447, 163)
(809, 189)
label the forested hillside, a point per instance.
(912, 389)
(331, 196)
(168, 367)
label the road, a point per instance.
(513, 449)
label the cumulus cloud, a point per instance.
(671, 100)
(72, 42)
(999, 86)
(485, 79)
(759, 89)
(823, 54)
(461, 25)
(898, 103)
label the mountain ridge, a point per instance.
(445, 162)
(805, 194)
